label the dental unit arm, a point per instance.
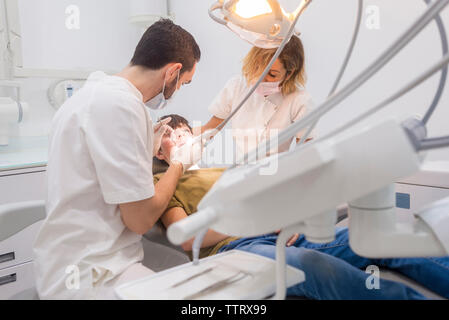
(357, 166)
(303, 199)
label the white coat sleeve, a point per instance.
(116, 136)
(302, 105)
(222, 105)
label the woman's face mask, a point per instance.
(268, 88)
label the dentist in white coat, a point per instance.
(101, 197)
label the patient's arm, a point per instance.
(175, 214)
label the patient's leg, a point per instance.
(327, 277)
(432, 273)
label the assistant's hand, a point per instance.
(160, 129)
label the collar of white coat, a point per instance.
(100, 75)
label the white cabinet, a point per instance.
(16, 279)
(22, 185)
(16, 255)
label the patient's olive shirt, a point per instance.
(191, 188)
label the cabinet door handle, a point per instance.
(7, 257)
(8, 279)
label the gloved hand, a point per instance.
(207, 136)
(159, 130)
(188, 154)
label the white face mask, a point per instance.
(268, 88)
(159, 102)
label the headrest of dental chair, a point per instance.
(159, 166)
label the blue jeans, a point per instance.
(333, 270)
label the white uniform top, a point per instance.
(100, 155)
(253, 122)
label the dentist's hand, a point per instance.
(188, 154)
(159, 130)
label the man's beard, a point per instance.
(170, 89)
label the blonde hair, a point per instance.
(292, 57)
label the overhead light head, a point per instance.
(263, 23)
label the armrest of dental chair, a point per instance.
(159, 253)
(14, 217)
(158, 235)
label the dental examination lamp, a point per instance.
(11, 112)
(299, 191)
(263, 23)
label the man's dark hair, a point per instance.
(165, 42)
(176, 121)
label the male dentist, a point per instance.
(101, 197)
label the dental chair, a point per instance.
(19, 224)
(161, 254)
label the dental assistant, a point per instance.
(101, 197)
(279, 100)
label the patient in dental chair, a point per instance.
(333, 270)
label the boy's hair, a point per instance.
(165, 42)
(176, 121)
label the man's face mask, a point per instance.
(159, 102)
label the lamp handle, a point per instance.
(302, 6)
(274, 4)
(215, 6)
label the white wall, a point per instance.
(106, 40)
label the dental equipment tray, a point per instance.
(233, 275)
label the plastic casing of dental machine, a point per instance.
(278, 192)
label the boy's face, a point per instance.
(176, 138)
